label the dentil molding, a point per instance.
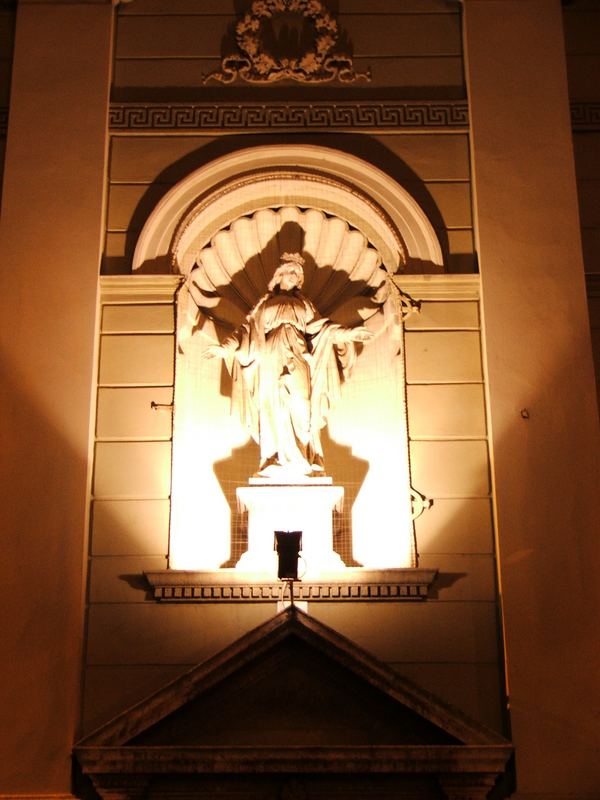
(233, 586)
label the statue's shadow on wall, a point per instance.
(342, 466)
(360, 145)
(335, 294)
(331, 290)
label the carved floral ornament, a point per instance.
(320, 62)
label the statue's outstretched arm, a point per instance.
(225, 350)
(358, 334)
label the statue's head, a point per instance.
(290, 271)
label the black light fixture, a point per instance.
(288, 545)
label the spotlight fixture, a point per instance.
(288, 545)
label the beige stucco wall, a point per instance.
(538, 359)
(166, 46)
(449, 644)
(434, 168)
(7, 34)
(582, 44)
(50, 241)
(57, 185)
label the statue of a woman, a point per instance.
(287, 364)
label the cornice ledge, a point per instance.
(346, 115)
(61, 796)
(390, 759)
(439, 287)
(233, 586)
(136, 288)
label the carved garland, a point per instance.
(318, 65)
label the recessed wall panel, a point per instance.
(435, 357)
(130, 469)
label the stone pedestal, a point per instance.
(305, 507)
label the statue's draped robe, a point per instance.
(287, 368)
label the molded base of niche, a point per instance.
(235, 586)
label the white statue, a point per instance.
(287, 364)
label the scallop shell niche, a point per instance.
(343, 273)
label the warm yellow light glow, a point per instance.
(205, 434)
(305, 508)
(367, 427)
(371, 419)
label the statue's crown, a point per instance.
(294, 258)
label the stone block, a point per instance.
(586, 147)
(110, 690)
(196, 35)
(581, 30)
(154, 633)
(120, 579)
(461, 577)
(442, 315)
(443, 357)
(130, 527)
(429, 631)
(461, 242)
(582, 73)
(588, 192)
(446, 410)
(128, 414)
(172, 35)
(450, 468)
(474, 688)
(590, 238)
(130, 204)
(453, 201)
(116, 245)
(131, 360)
(142, 159)
(5, 70)
(456, 525)
(430, 157)
(138, 319)
(130, 469)
(408, 34)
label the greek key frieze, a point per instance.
(585, 116)
(348, 115)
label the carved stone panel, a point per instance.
(308, 53)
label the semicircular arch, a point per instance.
(273, 176)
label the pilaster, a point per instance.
(542, 405)
(52, 211)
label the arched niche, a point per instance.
(309, 176)
(223, 228)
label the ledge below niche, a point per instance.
(234, 586)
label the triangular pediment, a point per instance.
(294, 694)
(287, 693)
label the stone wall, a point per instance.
(7, 33)
(414, 46)
(433, 167)
(448, 643)
(582, 40)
